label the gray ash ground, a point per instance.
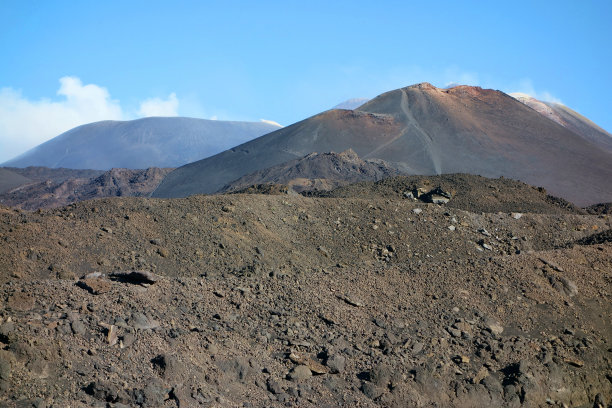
(283, 300)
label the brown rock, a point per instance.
(480, 375)
(300, 373)
(21, 301)
(314, 366)
(95, 286)
(462, 359)
(574, 362)
(352, 300)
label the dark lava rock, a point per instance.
(236, 369)
(274, 387)
(167, 365)
(380, 375)
(300, 373)
(372, 391)
(105, 391)
(336, 363)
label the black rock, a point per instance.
(372, 391)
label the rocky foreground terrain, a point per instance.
(365, 296)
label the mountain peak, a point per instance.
(423, 86)
(468, 89)
(423, 129)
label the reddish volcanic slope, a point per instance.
(486, 132)
(422, 129)
(569, 119)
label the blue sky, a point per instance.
(70, 62)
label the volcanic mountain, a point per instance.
(422, 129)
(140, 144)
(569, 119)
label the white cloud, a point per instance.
(525, 86)
(548, 97)
(86, 102)
(25, 123)
(160, 107)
